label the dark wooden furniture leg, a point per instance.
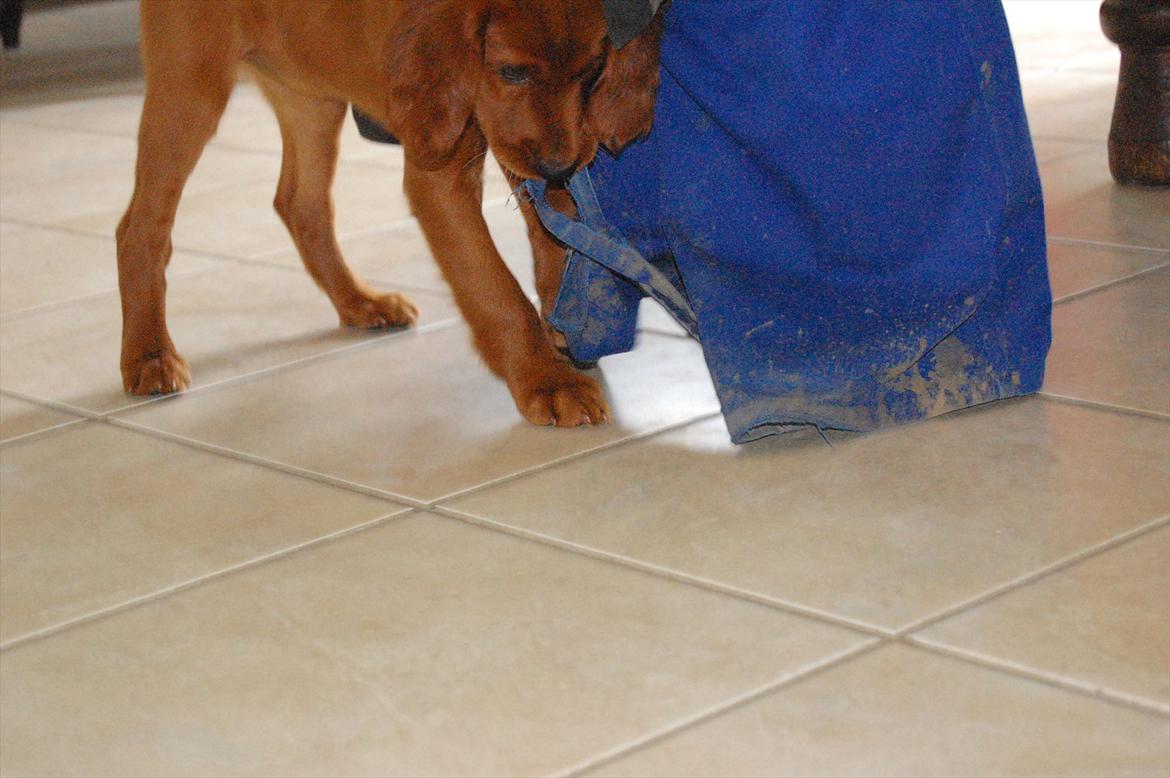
(1139, 138)
(11, 12)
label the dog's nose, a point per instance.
(556, 170)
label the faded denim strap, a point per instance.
(591, 237)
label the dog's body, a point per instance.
(534, 80)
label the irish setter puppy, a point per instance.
(536, 81)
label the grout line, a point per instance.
(370, 342)
(111, 292)
(707, 584)
(1102, 406)
(885, 636)
(1062, 682)
(1109, 284)
(18, 222)
(657, 571)
(272, 262)
(141, 402)
(1106, 245)
(881, 636)
(168, 591)
(109, 237)
(362, 232)
(38, 432)
(1029, 578)
(80, 415)
(84, 413)
(721, 709)
(365, 232)
(270, 464)
(113, 416)
(132, 137)
(569, 458)
(65, 127)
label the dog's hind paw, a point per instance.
(159, 372)
(379, 311)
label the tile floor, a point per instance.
(343, 553)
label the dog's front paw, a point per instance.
(561, 396)
(158, 372)
(379, 311)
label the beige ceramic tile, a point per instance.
(1060, 34)
(422, 417)
(41, 266)
(241, 222)
(107, 114)
(1103, 622)
(400, 255)
(18, 417)
(96, 516)
(1081, 201)
(1076, 267)
(247, 124)
(68, 177)
(1072, 107)
(1113, 346)
(1050, 149)
(422, 647)
(903, 712)
(225, 322)
(74, 75)
(885, 528)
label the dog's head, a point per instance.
(539, 79)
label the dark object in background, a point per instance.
(11, 13)
(626, 18)
(1139, 138)
(371, 130)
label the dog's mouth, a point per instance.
(552, 170)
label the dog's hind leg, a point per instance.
(186, 92)
(310, 127)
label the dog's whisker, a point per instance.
(475, 159)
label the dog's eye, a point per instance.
(592, 75)
(589, 83)
(515, 74)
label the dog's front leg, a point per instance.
(505, 326)
(174, 128)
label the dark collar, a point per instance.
(627, 18)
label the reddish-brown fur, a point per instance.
(439, 74)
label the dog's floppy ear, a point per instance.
(621, 106)
(434, 60)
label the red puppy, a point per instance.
(536, 81)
